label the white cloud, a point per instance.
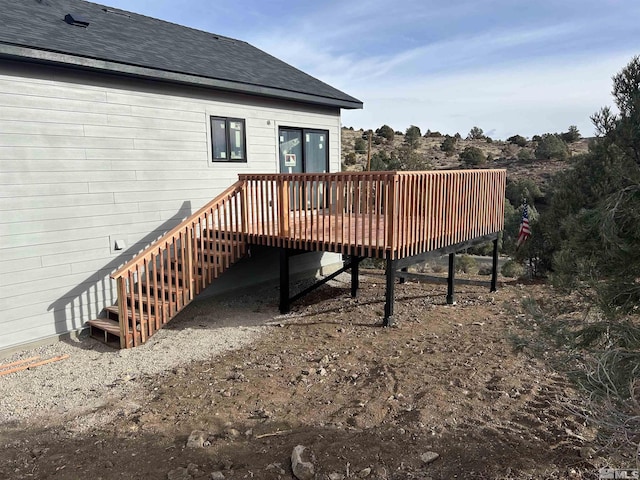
(530, 98)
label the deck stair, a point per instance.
(164, 278)
(390, 215)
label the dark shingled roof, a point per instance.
(131, 44)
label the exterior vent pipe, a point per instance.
(76, 20)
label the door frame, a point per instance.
(303, 131)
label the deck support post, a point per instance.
(392, 266)
(451, 279)
(284, 280)
(494, 267)
(355, 271)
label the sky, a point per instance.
(507, 66)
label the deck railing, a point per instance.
(369, 214)
(373, 214)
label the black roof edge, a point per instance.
(17, 52)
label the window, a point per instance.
(228, 142)
(303, 150)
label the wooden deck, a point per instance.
(391, 215)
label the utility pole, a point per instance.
(369, 135)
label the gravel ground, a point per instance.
(95, 375)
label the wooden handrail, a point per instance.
(237, 186)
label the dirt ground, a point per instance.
(366, 401)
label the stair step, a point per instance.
(113, 311)
(106, 331)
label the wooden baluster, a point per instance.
(153, 275)
(147, 301)
(130, 315)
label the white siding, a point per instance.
(87, 159)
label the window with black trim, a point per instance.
(228, 140)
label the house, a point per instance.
(113, 128)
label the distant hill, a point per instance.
(504, 155)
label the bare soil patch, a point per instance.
(366, 401)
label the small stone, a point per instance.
(232, 433)
(217, 476)
(302, 469)
(321, 371)
(364, 473)
(429, 457)
(587, 452)
(194, 470)
(336, 476)
(179, 474)
(196, 439)
(277, 467)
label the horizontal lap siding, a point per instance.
(86, 160)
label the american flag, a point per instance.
(525, 231)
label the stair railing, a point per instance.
(162, 279)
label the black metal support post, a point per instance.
(355, 271)
(392, 266)
(451, 279)
(284, 281)
(494, 268)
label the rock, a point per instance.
(364, 473)
(194, 470)
(231, 433)
(179, 474)
(277, 467)
(196, 439)
(217, 476)
(336, 476)
(428, 457)
(302, 469)
(321, 371)
(587, 452)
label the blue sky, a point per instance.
(509, 67)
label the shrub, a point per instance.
(518, 140)
(475, 133)
(525, 155)
(551, 146)
(386, 132)
(360, 145)
(350, 158)
(473, 156)
(571, 135)
(512, 269)
(466, 264)
(448, 145)
(412, 136)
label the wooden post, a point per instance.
(122, 312)
(451, 279)
(284, 280)
(494, 267)
(283, 208)
(355, 281)
(389, 293)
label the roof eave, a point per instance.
(43, 56)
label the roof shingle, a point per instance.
(132, 43)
